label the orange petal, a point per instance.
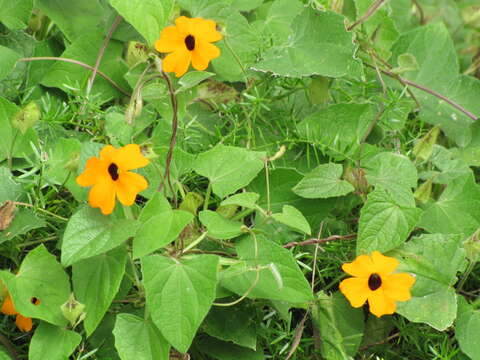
(129, 157)
(94, 170)
(170, 40)
(362, 266)
(184, 25)
(107, 153)
(7, 307)
(23, 323)
(203, 53)
(380, 304)
(397, 286)
(384, 264)
(355, 290)
(177, 62)
(205, 30)
(102, 195)
(128, 186)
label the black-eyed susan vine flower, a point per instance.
(110, 177)
(188, 41)
(8, 308)
(374, 281)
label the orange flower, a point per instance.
(110, 177)
(373, 281)
(23, 323)
(188, 41)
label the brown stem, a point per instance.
(391, 337)
(319, 241)
(371, 126)
(420, 11)
(79, 63)
(173, 139)
(429, 91)
(371, 10)
(101, 52)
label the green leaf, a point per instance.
(160, 225)
(96, 282)
(384, 223)
(71, 78)
(10, 189)
(192, 78)
(139, 339)
(440, 74)
(338, 128)
(341, 326)
(13, 143)
(233, 323)
(24, 221)
(179, 294)
(457, 211)
(394, 173)
(73, 17)
(323, 182)
(281, 182)
(290, 216)
(221, 350)
(435, 260)
(380, 27)
(309, 51)
(467, 328)
(148, 17)
(40, 276)
(277, 23)
(4, 354)
(15, 13)
(239, 46)
(53, 343)
(228, 168)
(8, 59)
(280, 278)
(90, 233)
(220, 227)
(63, 161)
(423, 149)
(245, 199)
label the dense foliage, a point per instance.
(321, 131)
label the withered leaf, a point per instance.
(7, 213)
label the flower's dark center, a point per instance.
(190, 42)
(374, 281)
(113, 171)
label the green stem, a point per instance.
(10, 154)
(196, 242)
(207, 196)
(470, 268)
(127, 210)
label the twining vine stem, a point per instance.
(319, 241)
(79, 63)
(173, 139)
(429, 91)
(371, 10)
(101, 52)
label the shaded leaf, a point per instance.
(96, 282)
